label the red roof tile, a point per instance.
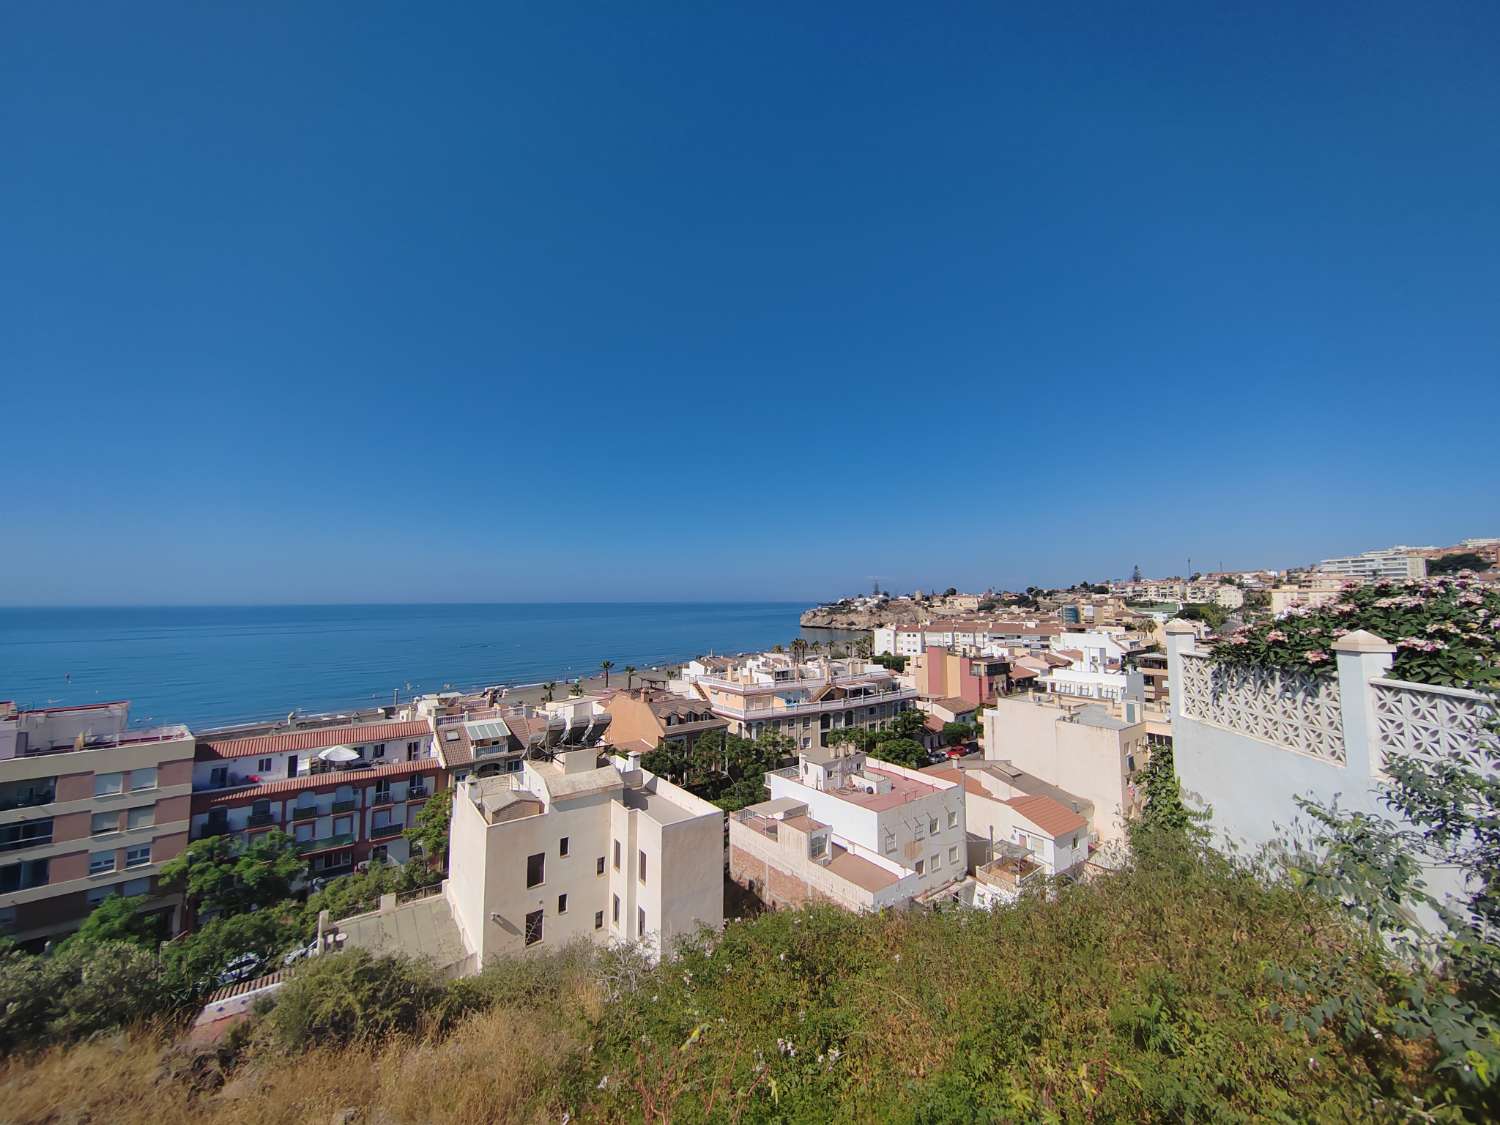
(329, 779)
(355, 734)
(1050, 816)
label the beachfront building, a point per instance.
(344, 792)
(806, 701)
(642, 719)
(981, 634)
(1090, 749)
(579, 848)
(88, 808)
(844, 828)
(486, 740)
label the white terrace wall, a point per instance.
(1248, 743)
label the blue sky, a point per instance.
(400, 302)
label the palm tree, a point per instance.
(578, 686)
(799, 649)
(547, 690)
(606, 665)
(630, 671)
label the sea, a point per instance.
(208, 666)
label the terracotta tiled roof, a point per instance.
(1047, 814)
(353, 735)
(329, 779)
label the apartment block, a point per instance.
(344, 792)
(572, 848)
(804, 701)
(88, 808)
(1390, 564)
(943, 674)
(641, 719)
(844, 828)
(1010, 813)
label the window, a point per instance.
(536, 869)
(143, 779)
(562, 904)
(598, 919)
(413, 751)
(103, 823)
(379, 853)
(617, 855)
(932, 825)
(640, 921)
(953, 854)
(138, 856)
(26, 834)
(142, 817)
(101, 863)
(343, 825)
(303, 833)
(109, 784)
(615, 913)
(562, 846)
(1075, 841)
(890, 841)
(920, 865)
(263, 765)
(23, 876)
(642, 870)
(97, 895)
(935, 862)
(953, 820)
(816, 845)
(378, 750)
(533, 927)
(599, 867)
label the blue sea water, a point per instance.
(211, 665)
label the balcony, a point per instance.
(304, 814)
(382, 797)
(345, 806)
(386, 831)
(415, 792)
(18, 843)
(26, 797)
(815, 706)
(343, 840)
(260, 819)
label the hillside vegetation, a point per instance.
(1152, 994)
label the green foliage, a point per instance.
(892, 661)
(220, 876)
(955, 734)
(1209, 613)
(721, 767)
(351, 996)
(1459, 560)
(1443, 630)
(252, 943)
(1445, 814)
(429, 832)
(118, 918)
(78, 990)
(1165, 820)
(906, 752)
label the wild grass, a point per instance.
(1142, 996)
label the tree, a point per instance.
(547, 690)
(799, 649)
(1212, 615)
(906, 752)
(1163, 813)
(1135, 573)
(429, 832)
(630, 671)
(908, 724)
(577, 688)
(606, 665)
(891, 661)
(1461, 560)
(118, 918)
(217, 875)
(950, 591)
(249, 944)
(955, 734)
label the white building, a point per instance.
(563, 850)
(1005, 813)
(902, 831)
(1085, 685)
(1392, 563)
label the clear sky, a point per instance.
(316, 302)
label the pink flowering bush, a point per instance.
(1446, 631)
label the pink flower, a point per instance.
(1316, 656)
(1275, 635)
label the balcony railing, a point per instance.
(343, 839)
(260, 819)
(382, 797)
(814, 706)
(386, 831)
(345, 806)
(415, 792)
(304, 814)
(25, 842)
(28, 800)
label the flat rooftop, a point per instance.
(424, 928)
(661, 809)
(903, 789)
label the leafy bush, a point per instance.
(1446, 631)
(350, 996)
(77, 991)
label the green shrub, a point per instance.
(346, 997)
(78, 991)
